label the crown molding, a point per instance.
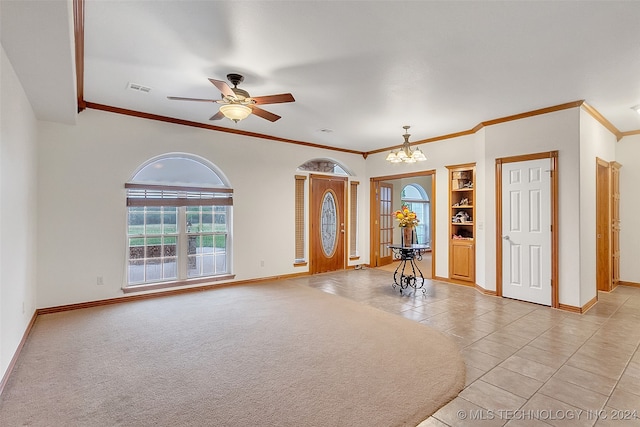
(603, 121)
(166, 119)
(481, 125)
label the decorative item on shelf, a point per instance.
(461, 184)
(463, 202)
(461, 175)
(407, 221)
(462, 235)
(406, 154)
(461, 217)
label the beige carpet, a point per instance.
(274, 354)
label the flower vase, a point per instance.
(407, 236)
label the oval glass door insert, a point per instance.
(328, 224)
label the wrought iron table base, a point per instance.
(408, 274)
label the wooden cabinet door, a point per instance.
(462, 261)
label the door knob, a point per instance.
(505, 237)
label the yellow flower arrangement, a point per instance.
(406, 218)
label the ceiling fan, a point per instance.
(237, 104)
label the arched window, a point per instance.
(178, 223)
(414, 196)
(324, 165)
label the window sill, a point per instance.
(175, 284)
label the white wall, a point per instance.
(17, 212)
(595, 141)
(628, 155)
(480, 210)
(548, 132)
(82, 212)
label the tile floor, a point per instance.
(527, 365)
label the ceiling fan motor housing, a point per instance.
(235, 80)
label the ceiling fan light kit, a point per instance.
(406, 154)
(237, 104)
(636, 108)
(235, 112)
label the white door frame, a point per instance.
(553, 155)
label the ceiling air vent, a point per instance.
(138, 88)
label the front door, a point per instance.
(526, 231)
(327, 226)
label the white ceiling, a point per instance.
(359, 69)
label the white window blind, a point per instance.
(165, 195)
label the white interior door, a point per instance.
(526, 231)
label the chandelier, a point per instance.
(406, 154)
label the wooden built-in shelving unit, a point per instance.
(461, 225)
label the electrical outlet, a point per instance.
(99, 281)
(262, 263)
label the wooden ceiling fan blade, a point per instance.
(180, 98)
(264, 113)
(223, 87)
(217, 116)
(273, 99)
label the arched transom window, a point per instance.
(324, 166)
